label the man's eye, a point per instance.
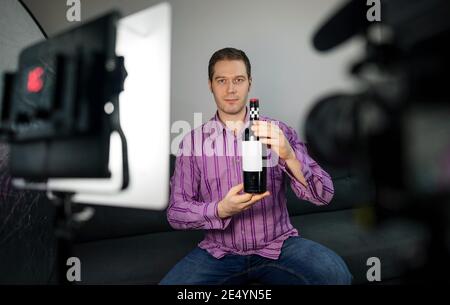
(239, 80)
(221, 81)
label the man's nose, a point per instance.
(231, 87)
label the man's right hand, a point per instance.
(235, 203)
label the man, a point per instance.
(249, 237)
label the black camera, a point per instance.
(396, 127)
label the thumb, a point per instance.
(236, 189)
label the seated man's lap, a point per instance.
(199, 267)
(301, 261)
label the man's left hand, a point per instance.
(270, 134)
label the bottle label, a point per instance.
(252, 156)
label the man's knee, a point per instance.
(343, 277)
(341, 274)
(326, 266)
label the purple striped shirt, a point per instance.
(209, 163)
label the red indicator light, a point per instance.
(35, 82)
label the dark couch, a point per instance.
(131, 246)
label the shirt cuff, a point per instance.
(212, 215)
(306, 170)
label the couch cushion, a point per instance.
(391, 242)
(116, 222)
(142, 259)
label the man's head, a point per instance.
(229, 72)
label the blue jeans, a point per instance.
(302, 261)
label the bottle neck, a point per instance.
(253, 116)
(252, 136)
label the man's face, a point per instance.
(230, 85)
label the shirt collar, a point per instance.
(223, 128)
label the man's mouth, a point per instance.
(231, 100)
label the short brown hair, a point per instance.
(228, 54)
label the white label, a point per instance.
(252, 156)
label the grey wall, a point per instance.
(288, 74)
(18, 31)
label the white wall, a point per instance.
(288, 75)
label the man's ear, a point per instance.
(249, 84)
(210, 86)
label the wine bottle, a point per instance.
(253, 165)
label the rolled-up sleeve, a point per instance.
(319, 189)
